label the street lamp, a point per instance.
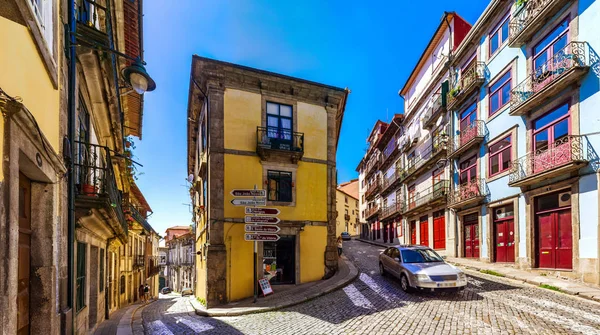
(136, 76)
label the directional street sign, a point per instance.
(249, 193)
(262, 219)
(252, 228)
(261, 237)
(249, 202)
(261, 211)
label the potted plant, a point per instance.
(89, 177)
(454, 92)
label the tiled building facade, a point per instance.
(519, 135)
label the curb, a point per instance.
(139, 323)
(529, 281)
(352, 275)
(374, 243)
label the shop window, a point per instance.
(500, 156)
(279, 186)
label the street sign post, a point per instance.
(262, 219)
(253, 228)
(261, 237)
(249, 202)
(249, 193)
(262, 211)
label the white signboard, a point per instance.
(262, 219)
(249, 202)
(261, 237)
(249, 193)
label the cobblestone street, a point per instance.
(376, 305)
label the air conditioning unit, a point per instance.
(500, 213)
(564, 199)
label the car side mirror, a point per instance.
(444, 257)
(397, 259)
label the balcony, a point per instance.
(564, 156)
(471, 136)
(203, 163)
(139, 261)
(96, 188)
(372, 212)
(529, 18)
(470, 193)
(436, 108)
(392, 180)
(372, 165)
(566, 67)
(391, 211)
(373, 188)
(427, 199)
(278, 142)
(428, 159)
(347, 217)
(93, 23)
(470, 80)
(390, 152)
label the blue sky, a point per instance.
(369, 47)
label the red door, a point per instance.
(439, 230)
(471, 236)
(413, 232)
(555, 240)
(424, 233)
(505, 241)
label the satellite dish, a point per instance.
(190, 178)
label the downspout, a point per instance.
(71, 163)
(106, 285)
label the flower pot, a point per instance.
(127, 144)
(88, 189)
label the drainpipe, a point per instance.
(106, 289)
(72, 77)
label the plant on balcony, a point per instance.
(455, 91)
(131, 169)
(89, 181)
(520, 3)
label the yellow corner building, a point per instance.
(347, 208)
(251, 128)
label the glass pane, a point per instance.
(505, 159)
(494, 164)
(494, 43)
(500, 145)
(553, 35)
(285, 110)
(547, 202)
(494, 102)
(559, 44)
(272, 121)
(504, 33)
(464, 177)
(561, 130)
(541, 140)
(500, 82)
(272, 108)
(473, 173)
(468, 111)
(505, 93)
(286, 123)
(539, 62)
(550, 117)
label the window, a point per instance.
(500, 156)
(551, 129)
(102, 279)
(549, 46)
(499, 36)
(468, 170)
(500, 92)
(279, 121)
(346, 199)
(42, 10)
(468, 117)
(279, 186)
(122, 284)
(80, 302)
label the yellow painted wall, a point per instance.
(311, 188)
(200, 289)
(242, 113)
(23, 74)
(341, 206)
(1, 146)
(240, 264)
(313, 241)
(312, 121)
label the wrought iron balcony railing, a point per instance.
(431, 196)
(372, 211)
(347, 217)
(437, 106)
(274, 138)
(392, 180)
(373, 188)
(92, 14)
(427, 158)
(391, 149)
(528, 18)
(373, 164)
(470, 80)
(139, 261)
(568, 154)
(95, 178)
(561, 70)
(391, 210)
(468, 193)
(473, 134)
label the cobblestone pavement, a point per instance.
(376, 305)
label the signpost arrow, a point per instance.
(262, 219)
(249, 193)
(261, 211)
(249, 202)
(261, 237)
(251, 228)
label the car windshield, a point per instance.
(420, 256)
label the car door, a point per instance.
(395, 262)
(385, 259)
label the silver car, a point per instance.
(419, 267)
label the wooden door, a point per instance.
(23, 289)
(555, 240)
(505, 241)
(471, 236)
(439, 230)
(424, 233)
(413, 232)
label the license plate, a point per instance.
(446, 284)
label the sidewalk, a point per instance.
(120, 321)
(284, 296)
(379, 244)
(568, 287)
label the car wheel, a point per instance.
(381, 269)
(404, 284)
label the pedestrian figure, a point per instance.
(339, 246)
(147, 292)
(141, 292)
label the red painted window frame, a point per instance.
(497, 29)
(500, 154)
(499, 91)
(550, 126)
(551, 43)
(468, 168)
